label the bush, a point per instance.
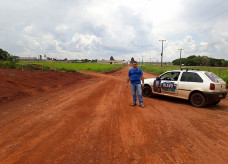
(7, 64)
(61, 69)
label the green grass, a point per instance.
(219, 71)
(7, 64)
(74, 66)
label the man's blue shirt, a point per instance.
(135, 75)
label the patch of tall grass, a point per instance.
(8, 64)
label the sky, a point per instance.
(98, 29)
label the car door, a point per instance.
(189, 81)
(169, 83)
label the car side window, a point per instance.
(191, 77)
(170, 76)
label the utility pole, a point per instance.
(142, 60)
(150, 60)
(180, 55)
(162, 50)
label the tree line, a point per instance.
(5, 56)
(201, 61)
(192, 60)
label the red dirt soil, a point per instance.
(16, 84)
(88, 119)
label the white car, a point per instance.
(199, 87)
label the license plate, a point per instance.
(220, 95)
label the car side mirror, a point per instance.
(158, 78)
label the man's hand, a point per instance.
(128, 79)
(142, 78)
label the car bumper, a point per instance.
(214, 96)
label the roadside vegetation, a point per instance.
(12, 62)
(201, 61)
(55, 66)
(7, 60)
(72, 67)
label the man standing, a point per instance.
(135, 75)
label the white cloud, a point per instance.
(85, 42)
(203, 46)
(100, 29)
(28, 29)
(61, 28)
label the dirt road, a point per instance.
(93, 122)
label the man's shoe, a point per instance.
(141, 105)
(133, 104)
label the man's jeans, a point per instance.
(137, 88)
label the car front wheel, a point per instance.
(147, 92)
(198, 100)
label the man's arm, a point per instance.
(128, 79)
(142, 78)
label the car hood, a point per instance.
(149, 81)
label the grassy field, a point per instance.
(72, 67)
(220, 71)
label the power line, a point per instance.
(214, 6)
(208, 19)
(224, 11)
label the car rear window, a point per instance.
(191, 77)
(212, 77)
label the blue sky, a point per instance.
(97, 29)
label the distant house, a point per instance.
(159, 63)
(110, 61)
(28, 58)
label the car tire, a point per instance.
(198, 100)
(147, 92)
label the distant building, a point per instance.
(110, 61)
(28, 58)
(159, 63)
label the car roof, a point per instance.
(186, 71)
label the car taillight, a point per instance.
(212, 86)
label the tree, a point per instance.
(132, 60)
(112, 58)
(13, 59)
(201, 61)
(4, 55)
(94, 61)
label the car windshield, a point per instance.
(213, 77)
(171, 76)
